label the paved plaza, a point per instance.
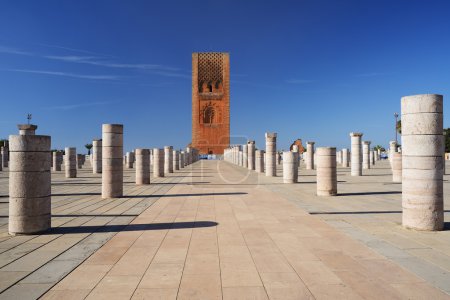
(214, 230)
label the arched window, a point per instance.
(210, 88)
(208, 115)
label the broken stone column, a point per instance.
(29, 182)
(251, 155)
(168, 160)
(345, 156)
(112, 167)
(70, 163)
(392, 149)
(422, 150)
(158, 162)
(97, 156)
(181, 159)
(339, 157)
(245, 156)
(176, 159)
(326, 171)
(259, 161)
(378, 154)
(5, 157)
(310, 155)
(289, 167)
(57, 158)
(372, 157)
(366, 155)
(240, 158)
(142, 166)
(278, 158)
(271, 150)
(397, 167)
(356, 159)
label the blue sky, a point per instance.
(315, 70)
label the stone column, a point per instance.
(397, 167)
(378, 154)
(245, 156)
(366, 155)
(259, 161)
(278, 158)
(297, 161)
(57, 158)
(345, 155)
(271, 151)
(70, 163)
(97, 156)
(356, 160)
(372, 157)
(422, 151)
(168, 163)
(142, 166)
(29, 182)
(176, 159)
(188, 158)
(112, 167)
(289, 167)
(129, 160)
(4, 161)
(251, 155)
(392, 149)
(158, 162)
(182, 159)
(79, 161)
(310, 155)
(326, 171)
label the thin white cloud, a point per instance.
(80, 105)
(99, 60)
(299, 81)
(10, 50)
(94, 61)
(74, 50)
(65, 74)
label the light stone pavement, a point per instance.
(219, 231)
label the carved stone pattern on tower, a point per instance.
(210, 69)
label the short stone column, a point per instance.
(57, 159)
(29, 182)
(345, 156)
(366, 155)
(310, 155)
(70, 163)
(259, 161)
(356, 160)
(112, 167)
(297, 161)
(5, 157)
(423, 172)
(158, 162)
(251, 155)
(397, 167)
(278, 158)
(129, 160)
(168, 160)
(188, 157)
(176, 159)
(326, 171)
(392, 149)
(289, 167)
(245, 156)
(181, 159)
(79, 161)
(372, 157)
(97, 156)
(378, 154)
(271, 151)
(142, 166)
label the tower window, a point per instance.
(210, 89)
(208, 115)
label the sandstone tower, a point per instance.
(210, 102)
